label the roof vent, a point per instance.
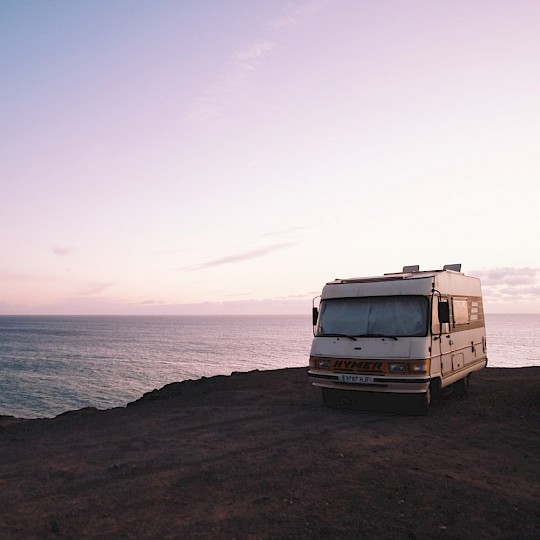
(412, 268)
(453, 267)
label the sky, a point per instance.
(210, 157)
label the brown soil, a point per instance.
(258, 455)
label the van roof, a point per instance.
(413, 273)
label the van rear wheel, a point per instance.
(461, 387)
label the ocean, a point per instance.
(53, 364)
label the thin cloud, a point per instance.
(62, 251)
(251, 57)
(241, 257)
(282, 232)
(522, 291)
(301, 296)
(245, 62)
(95, 287)
(300, 13)
(268, 306)
(241, 67)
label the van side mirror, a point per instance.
(315, 316)
(443, 312)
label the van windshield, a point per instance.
(392, 316)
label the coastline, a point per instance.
(258, 455)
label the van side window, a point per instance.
(475, 311)
(460, 310)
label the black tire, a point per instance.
(425, 402)
(460, 388)
(417, 404)
(436, 392)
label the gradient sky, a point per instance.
(231, 157)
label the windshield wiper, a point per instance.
(379, 335)
(359, 335)
(339, 335)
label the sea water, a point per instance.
(52, 364)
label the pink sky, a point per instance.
(202, 157)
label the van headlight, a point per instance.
(420, 367)
(397, 368)
(316, 363)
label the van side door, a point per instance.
(441, 337)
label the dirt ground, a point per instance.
(258, 456)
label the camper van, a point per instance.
(412, 332)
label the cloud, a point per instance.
(245, 62)
(300, 13)
(241, 257)
(62, 251)
(507, 276)
(84, 305)
(310, 295)
(7, 274)
(523, 291)
(510, 284)
(267, 306)
(241, 66)
(249, 58)
(95, 287)
(282, 232)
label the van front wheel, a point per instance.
(425, 402)
(436, 392)
(460, 388)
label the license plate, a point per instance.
(358, 379)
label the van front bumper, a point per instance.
(377, 383)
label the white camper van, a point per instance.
(412, 332)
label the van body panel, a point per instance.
(340, 347)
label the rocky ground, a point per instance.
(258, 455)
